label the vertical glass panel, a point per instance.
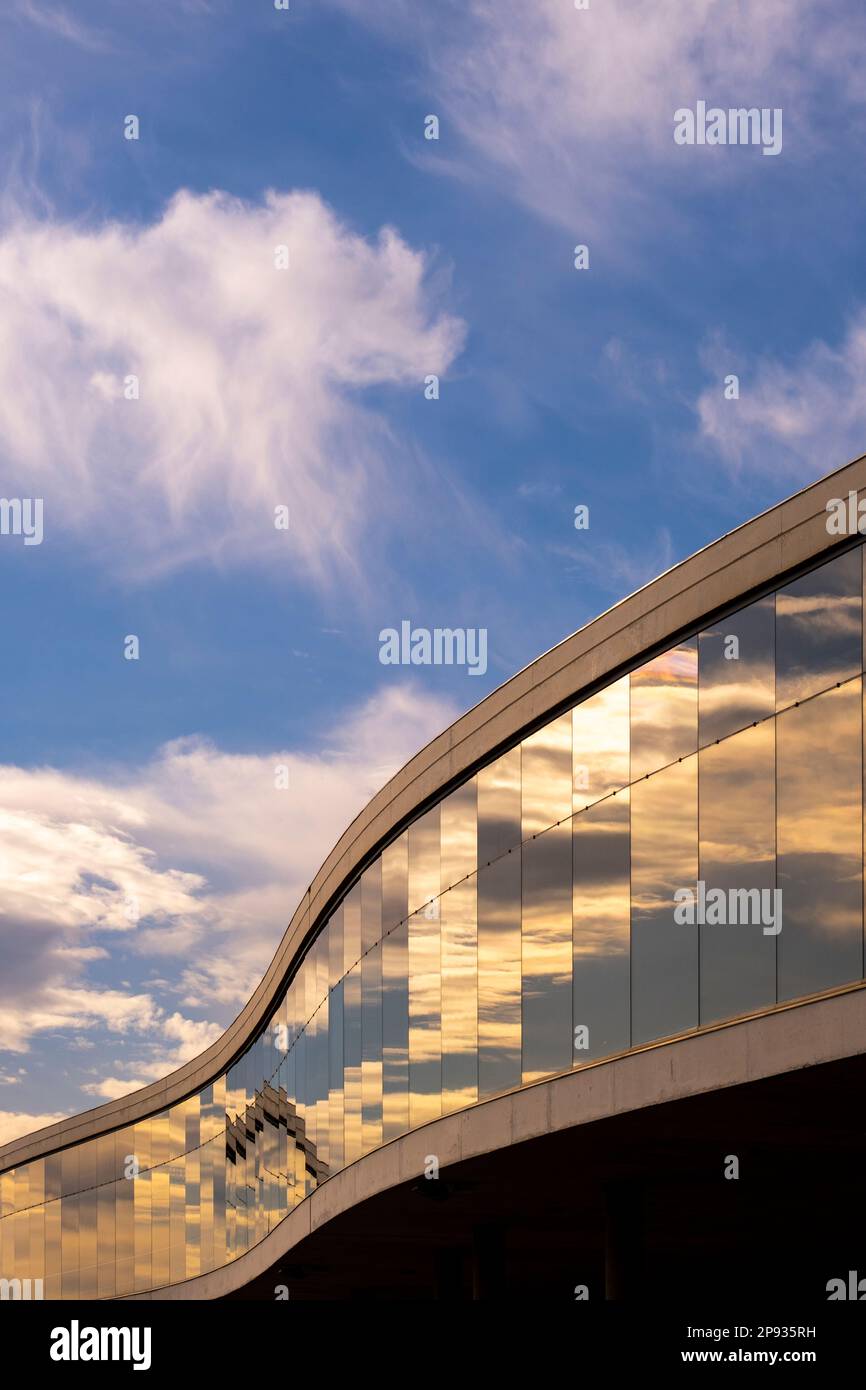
(371, 1007)
(105, 1216)
(499, 906)
(425, 971)
(141, 1184)
(190, 1203)
(53, 1184)
(819, 789)
(322, 1093)
(335, 1040)
(547, 899)
(600, 732)
(459, 949)
(664, 954)
(309, 973)
(819, 629)
(602, 871)
(352, 1042)
(124, 1211)
(664, 709)
(602, 928)
(737, 783)
(159, 1200)
(736, 675)
(395, 988)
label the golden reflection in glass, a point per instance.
(819, 632)
(322, 1024)
(335, 1041)
(190, 1174)
(395, 988)
(159, 1200)
(499, 909)
(600, 736)
(664, 709)
(820, 865)
(124, 1216)
(352, 1000)
(664, 857)
(737, 787)
(425, 971)
(371, 1009)
(311, 1023)
(602, 927)
(106, 1204)
(69, 1248)
(736, 671)
(53, 1188)
(459, 948)
(547, 943)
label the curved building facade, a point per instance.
(654, 830)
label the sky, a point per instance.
(240, 310)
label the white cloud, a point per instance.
(217, 859)
(250, 378)
(572, 110)
(14, 1123)
(793, 421)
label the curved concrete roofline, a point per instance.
(789, 536)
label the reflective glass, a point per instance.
(736, 671)
(819, 789)
(664, 709)
(664, 954)
(547, 899)
(818, 629)
(499, 913)
(425, 970)
(459, 948)
(737, 782)
(395, 988)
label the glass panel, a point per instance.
(425, 971)
(600, 732)
(602, 927)
(736, 684)
(819, 782)
(371, 1007)
(547, 899)
(336, 1042)
(499, 906)
(459, 949)
(737, 781)
(602, 869)
(395, 988)
(664, 954)
(818, 629)
(664, 709)
(352, 1041)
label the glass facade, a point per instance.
(524, 925)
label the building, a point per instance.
(491, 1056)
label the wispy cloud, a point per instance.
(195, 860)
(793, 421)
(250, 381)
(57, 20)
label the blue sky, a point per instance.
(149, 870)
